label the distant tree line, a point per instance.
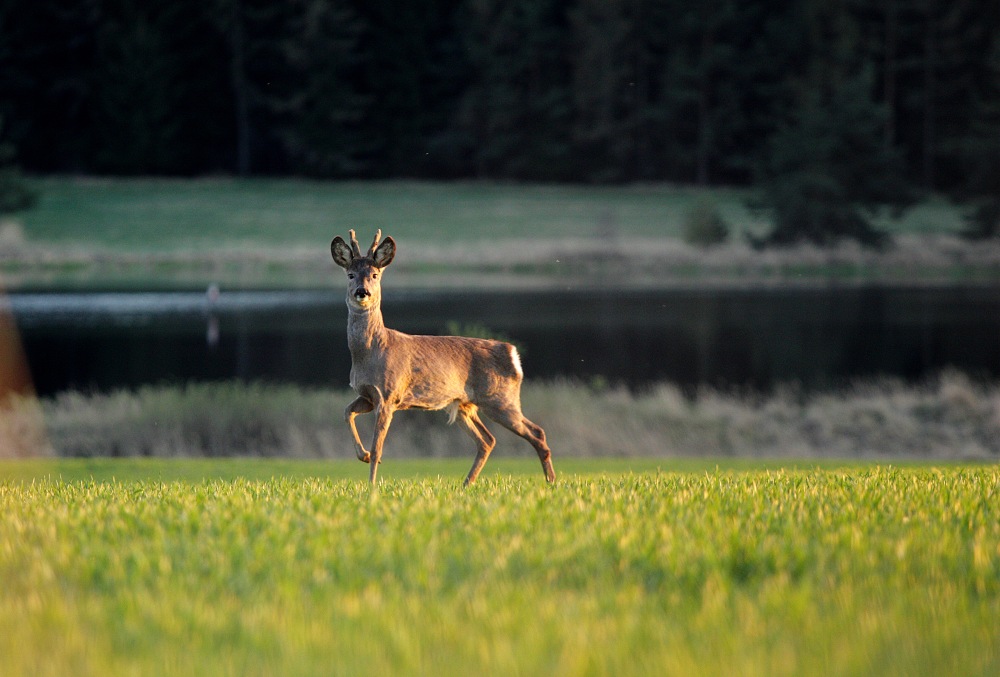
(717, 91)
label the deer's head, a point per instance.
(364, 284)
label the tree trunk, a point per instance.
(889, 70)
(704, 108)
(930, 86)
(241, 92)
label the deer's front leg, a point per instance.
(362, 405)
(383, 417)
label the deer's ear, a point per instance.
(341, 251)
(385, 252)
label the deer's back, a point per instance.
(434, 371)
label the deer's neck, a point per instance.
(365, 330)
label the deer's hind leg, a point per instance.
(483, 437)
(510, 417)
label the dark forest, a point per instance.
(715, 92)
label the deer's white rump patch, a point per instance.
(516, 361)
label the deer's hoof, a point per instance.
(550, 473)
(365, 457)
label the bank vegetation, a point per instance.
(509, 264)
(951, 416)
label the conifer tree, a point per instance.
(829, 170)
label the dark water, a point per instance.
(818, 337)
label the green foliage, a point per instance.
(139, 92)
(983, 220)
(315, 101)
(658, 91)
(515, 111)
(829, 171)
(523, 89)
(979, 184)
(704, 225)
(867, 570)
(15, 194)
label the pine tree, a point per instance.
(314, 101)
(139, 85)
(829, 169)
(515, 111)
(980, 155)
(15, 194)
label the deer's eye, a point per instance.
(374, 276)
(350, 276)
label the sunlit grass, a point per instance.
(104, 469)
(863, 570)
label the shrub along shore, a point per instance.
(948, 417)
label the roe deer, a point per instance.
(391, 370)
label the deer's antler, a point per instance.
(378, 236)
(355, 247)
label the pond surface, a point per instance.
(755, 338)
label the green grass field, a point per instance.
(159, 233)
(624, 567)
(157, 215)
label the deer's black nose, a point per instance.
(362, 293)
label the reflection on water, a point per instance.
(754, 338)
(71, 309)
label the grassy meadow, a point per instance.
(160, 233)
(667, 546)
(618, 570)
(176, 215)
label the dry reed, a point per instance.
(947, 417)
